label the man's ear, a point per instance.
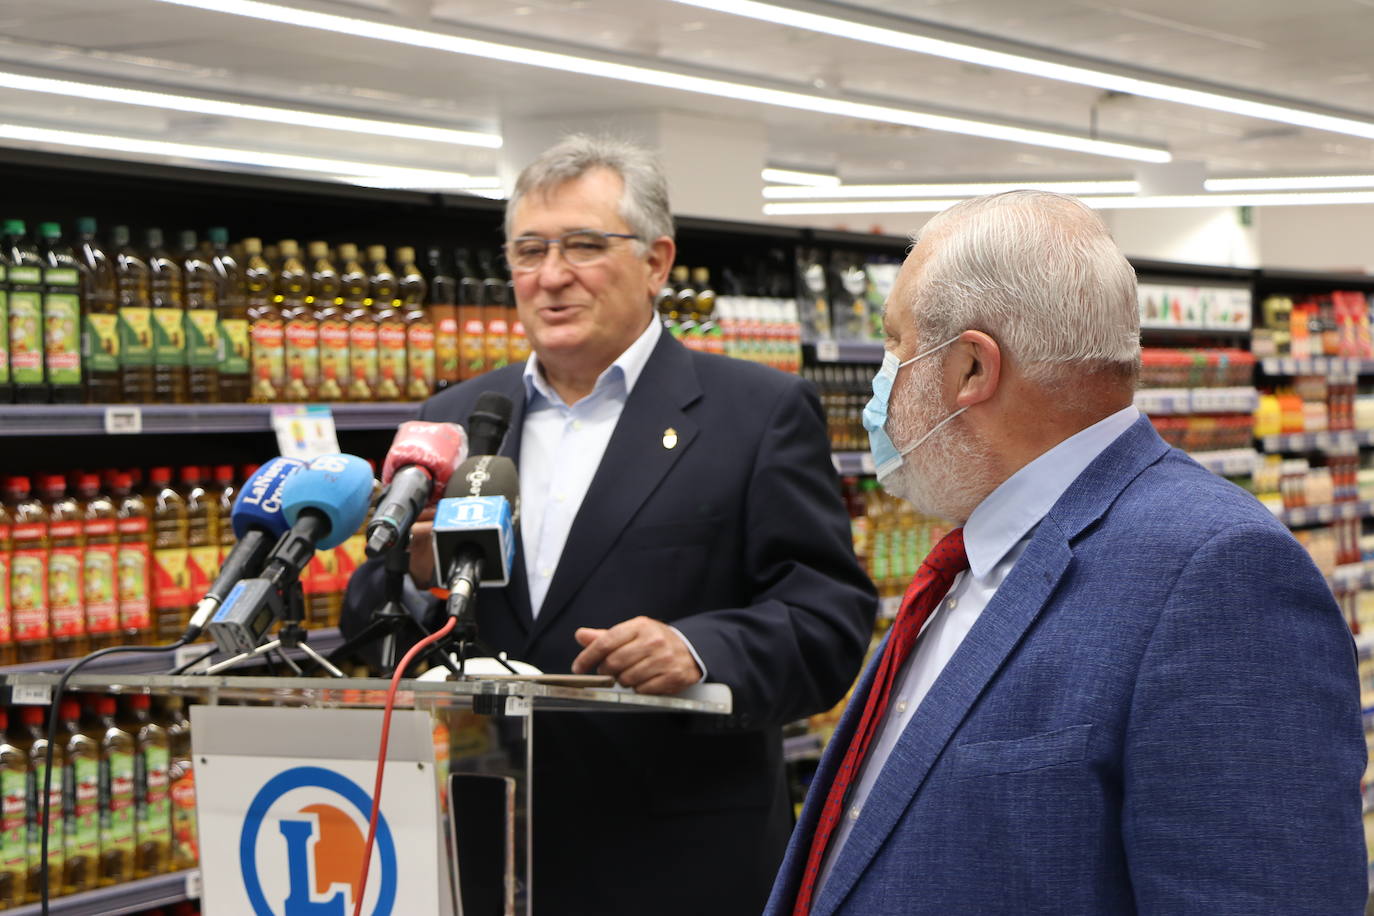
(976, 367)
(659, 259)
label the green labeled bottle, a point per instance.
(80, 800)
(201, 293)
(62, 321)
(100, 334)
(170, 384)
(34, 720)
(25, 271)
(233, 321)
(117, 787)
(135, 320)
(14, 810)
(181, 776)
(6, 384)
(152, 801)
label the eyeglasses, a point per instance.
(580, 247)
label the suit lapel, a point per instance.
(635, 463)
(993, 638)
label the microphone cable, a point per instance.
(53, 714)
(381, 755)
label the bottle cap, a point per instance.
(159, 477)
(50, 230)
(33, 715)
(192, 475)
(14, 227)
(218, 235)
(224, 474)
(70, 709)
(154, 237)
(105, 705)
(85, 225)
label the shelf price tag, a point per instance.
(305, 432)
(123, 420)
(827, 351)
(193, 884)
(866, 463)
(517, 706)
(31, 695)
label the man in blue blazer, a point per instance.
(680, 519)
(1139, 695)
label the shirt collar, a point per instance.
(626, 367)
(1010, 512)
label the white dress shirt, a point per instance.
(995, 536)
(561, 447)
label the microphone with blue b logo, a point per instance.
(324, 503)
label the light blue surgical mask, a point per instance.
(886, 457)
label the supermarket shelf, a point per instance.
(98, 419)
(1311, 281)
(851, 464)
(845, 351)
(1165, 332)
(1162, 402)
(800, 748)
(1322, 515)
(1353, 577)
(1339, 441)
(120, 899)
(1231, 462)
(1318, 365)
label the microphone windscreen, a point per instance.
(337, 486)
(487, 475)
(488, 422)
(436, 447)
(258, 505)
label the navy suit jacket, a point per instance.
(738, 537)
(1158, 712)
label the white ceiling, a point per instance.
(1314, 53)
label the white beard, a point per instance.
(950, 473)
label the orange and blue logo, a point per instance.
(319, 823)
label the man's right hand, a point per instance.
(422, 550)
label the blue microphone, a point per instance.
(325, 503)
(258, 523)
(474, 528)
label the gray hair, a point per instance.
(644, 202)
(1040, 273)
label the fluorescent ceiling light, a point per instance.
(794, 177)
(1313, 183)
(816, 208)
(646, 76)
(168, 149)
(290, 116)
(1017, 63)
(849, 191)
(436, 181)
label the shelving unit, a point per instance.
(181, 419)
(121, 899)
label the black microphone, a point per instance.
(488, 422)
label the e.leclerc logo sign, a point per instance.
(321, 828)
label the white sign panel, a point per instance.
(305, 432)
(284, 835)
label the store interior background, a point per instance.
(1310, 57)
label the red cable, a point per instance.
(381, 755)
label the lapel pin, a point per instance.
(670, 438)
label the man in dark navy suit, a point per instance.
(680, 521)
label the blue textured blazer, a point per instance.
(1158, 712)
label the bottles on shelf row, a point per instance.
(890, 537)
(212, 322)
(92, 561)
(844, 389)
(1336, 324)
(762, 330)
(1161, 367)
(122, 799)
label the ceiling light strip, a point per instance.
(202, 106)
(646, 76)
(26, 134)
(853, 191)
(795, 177)
(933, 205)
(1031, 66)
(1312, 183)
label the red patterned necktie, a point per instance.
(929, 587)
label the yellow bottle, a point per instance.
(14, 827)
(117, 784)
(182, 779)
(81, 801)
(100, 564)
(66, 561)
(34, 720)
(171, 557)
(28, 572)
(135, 564)
(152, 799)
